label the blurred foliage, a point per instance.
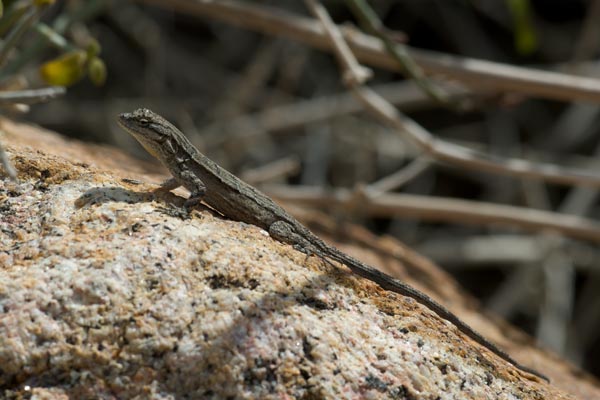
(14, 13)
(69, 68)
(526, 41)
(78, 54)
(66, 69)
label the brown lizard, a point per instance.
(237, 200)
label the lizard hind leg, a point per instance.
(196, 195)
(169, 184)
(285, 232)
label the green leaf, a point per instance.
(526, 41)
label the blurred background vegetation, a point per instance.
(260, 102)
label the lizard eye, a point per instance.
(144, 122)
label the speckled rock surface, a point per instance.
(109, 292)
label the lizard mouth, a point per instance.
(123, 118)
(128, 127)
(125, 121)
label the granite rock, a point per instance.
(108, 291)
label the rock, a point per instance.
(107, 291)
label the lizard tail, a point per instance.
(389, 283)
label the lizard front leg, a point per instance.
(196, 187)
(194, 184)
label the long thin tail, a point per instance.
(389, 283)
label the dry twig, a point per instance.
(477, 74)
(405, 95)
(399, 178)
(272, 171)
(443, 151)
(31, 96)
(441, 209)
(369, 19)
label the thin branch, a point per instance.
(442, 210)
(404, 95)
(517, 249)
(31, 96)
(355, 74)
(411, 69)
(17, 32)
(54, 38)
(461, 156)
(245, 88)
(401, 177)
(272, 171)
(442, 151)
(514, 291)
(587, 42)
(478, 74)
(559, 297)
(479, 251)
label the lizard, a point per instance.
(237, 200)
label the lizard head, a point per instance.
(147, 127)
